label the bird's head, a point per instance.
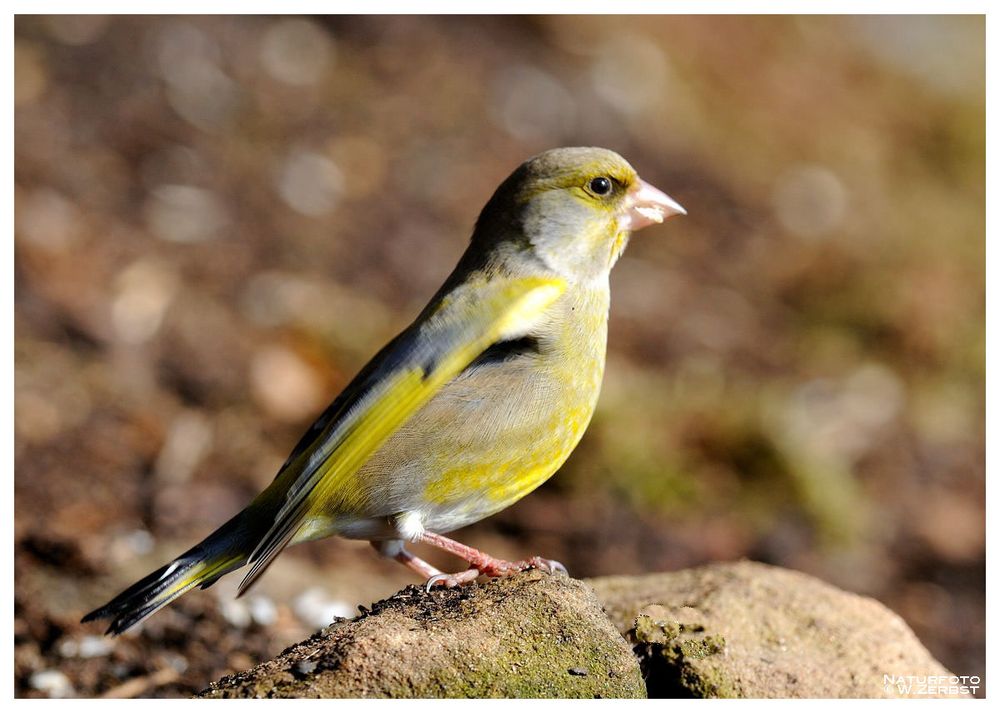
(573, 209)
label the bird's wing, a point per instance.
(398, 382)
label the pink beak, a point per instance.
(646, 205)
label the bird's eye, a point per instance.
(600, 186)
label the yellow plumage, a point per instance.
(470, 408)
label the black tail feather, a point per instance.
(220, 553)
(144, 597)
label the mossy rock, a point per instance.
(748, 630)
(528, 636)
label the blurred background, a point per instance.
(220, 219)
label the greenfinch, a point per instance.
(474, 405)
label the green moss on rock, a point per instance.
(528, 636)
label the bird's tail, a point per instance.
(221, 552)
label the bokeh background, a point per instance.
(219, 219)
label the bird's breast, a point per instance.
(500, 428)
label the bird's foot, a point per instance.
(481, 564)
(546, 565)
(451, 581)
(493, 567)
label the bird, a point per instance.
(471, 407)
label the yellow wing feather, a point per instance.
(426, 357)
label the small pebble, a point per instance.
(263, 611)
(139, 542)
(54, 683)
(91, 646)
(578, 671)
(177, 662)
(236, 612)
(315, 608)
(86, 647)
(305, 667)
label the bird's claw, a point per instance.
(450, 581)
(495, 568)
(546, 565)
(503, 568)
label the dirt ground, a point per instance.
(218, 220)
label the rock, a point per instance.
(531, 635)
(736, 630)
(748, 630)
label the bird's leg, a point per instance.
(418, 565)
(480, 562)
(395, 550)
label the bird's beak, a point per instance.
(645, 205)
